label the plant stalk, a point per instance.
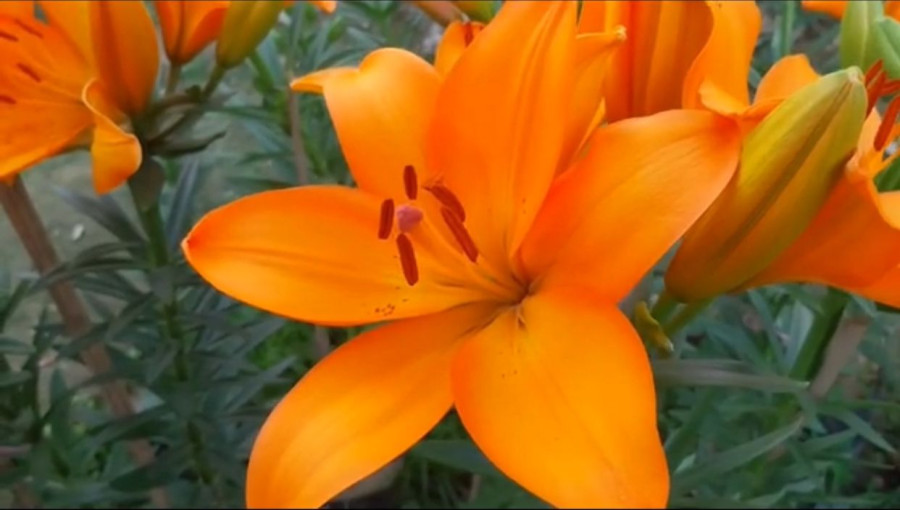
(28, 226)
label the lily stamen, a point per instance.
(448, 199)
(29, 71)
(386, 221)
(460, 233)
(887, 124)
(876, 68)
(410, 182)
(408, 259)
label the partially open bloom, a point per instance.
(246, 24)
(789, 164)
(189, 26)
(498, 271)
(853, 243)
(73, 82)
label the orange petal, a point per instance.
(885, 290)
(116, 154)
(892, 9)
(189, 26)
(724, 62)
(381, 114)
(787, 76)
(592, 56)
(497, 132)
(854, 240)
(33, 131)
(358, 409)
(458, 36)
(73, 19)
(17, 8)
(558, 394)
(325, 5)
(833, 8)
(125, 49)
(313, 254)
(664, 39)
(642, 183)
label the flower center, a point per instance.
(410, 215)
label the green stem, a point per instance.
(268, 82)
(174, 77)
(214, 79)
(685, 316)
(785, 39)
(664, 306)
(813, 350)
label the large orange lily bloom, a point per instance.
(73, 82)
(836, 8)
(499, 273)
(854, 241)
(189, 26)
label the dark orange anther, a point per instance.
(386, 222)
(460, 233)
(8, 36)
(7, 99)
(408, 259)
(29, 71)
(887, 124)
(30, 30)
(876, 68)
(874, 90)
(448, 200)
(890, 88)
(468, 33)
(410, 182)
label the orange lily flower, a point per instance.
(189, 26)
(75, 80)
(836, 8)
(676, 51)
(854, 241)
(500, 275)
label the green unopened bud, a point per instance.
(887, 43)
(857, 41)
(477, 10)
(789, 164)
(246, 24)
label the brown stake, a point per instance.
(27, 224)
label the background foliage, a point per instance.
(742, 427)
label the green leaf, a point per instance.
(886, 32)
(718, 464)
(14, 378)
(720, 373)
(106, 212)
(179, 215)
(862, 428)
(455, 453)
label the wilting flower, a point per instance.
(499, 273)
(675, 52)
(789, 164)
(246, 24)
(74, 82)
